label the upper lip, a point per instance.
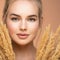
(22, 34)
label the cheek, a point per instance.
(33, 28)
(11, 27)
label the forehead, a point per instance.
(22, 6)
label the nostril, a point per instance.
(23, 29)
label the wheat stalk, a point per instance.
(6, 51)
(49, 48)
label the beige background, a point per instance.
(51, 12)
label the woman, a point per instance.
(23, 20)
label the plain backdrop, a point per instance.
(51, 13)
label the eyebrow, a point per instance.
(32, 16)
(19, 15)
(14, 14)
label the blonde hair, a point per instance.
(8, 2)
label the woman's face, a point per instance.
(22, 21)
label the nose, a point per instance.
(23, 25)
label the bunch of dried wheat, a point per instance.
(49, 47)
(6, 51)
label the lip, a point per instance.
(22, 35)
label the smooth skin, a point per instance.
(23, 18)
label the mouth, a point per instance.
(22, 35)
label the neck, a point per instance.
(25, 47)
(24, 50)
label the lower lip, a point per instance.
(22, 36)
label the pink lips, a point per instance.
(22, 36)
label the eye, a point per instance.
(32, 19)
(15, 19)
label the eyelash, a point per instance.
(32, 19)
(14, 19)
(29, 19)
